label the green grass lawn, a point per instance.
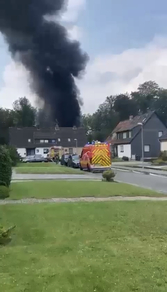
(45, 168)
(73, 189)
(102, 247)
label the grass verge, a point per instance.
(45, 168)
(74, 189)
(102, 247)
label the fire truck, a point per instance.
(95, 157)
(55, 152)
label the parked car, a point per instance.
(73, 161)
(64, 159)
(34, 158)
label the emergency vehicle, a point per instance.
(96, 157)
(55, 151)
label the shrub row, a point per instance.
(5, 172)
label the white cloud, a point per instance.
(15, 85)
(75, 32)
(69, 18)
(120, 73)
(73, 10)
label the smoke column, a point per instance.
(44, 49)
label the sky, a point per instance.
(126, 41)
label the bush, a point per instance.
(5, 235)
(15, 158)
(163, 155)
(108, 175)
(4, 192)
(2, 183)
(159, 162)
(116, 159)
(125, 158)
(5, 166)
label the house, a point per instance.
(129, 136)
(163, 142)
(30, 141)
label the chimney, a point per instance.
(130, 118)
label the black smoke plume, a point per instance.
(44, 48)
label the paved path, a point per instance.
(86, 176)
(75, 200)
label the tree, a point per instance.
(7, 119)
(24, 112)
(104, 120)
(125, 106)
(146, 96)
(160, 105)
(87, 124)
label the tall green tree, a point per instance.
(160, 105)
(125, 106)
(100, 124)
(25, 113)
(7, 119)
(146, 96)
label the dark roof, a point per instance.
(30, 137)
(163, 137)
(127, 126)
(131, 123)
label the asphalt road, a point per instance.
(153, 182)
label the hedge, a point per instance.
(5, 166)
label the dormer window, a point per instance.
(124, 135)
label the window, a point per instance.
(69, 140)
(46, 141)
(71, 150)
(59, 140)
(130, 134)
(160, 133)
(124, 135)
(146, 148)
(37, 150)
(121, 148)
(53, 141)
(29, 140)
(45, 151)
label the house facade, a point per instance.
(163, 142)
(129, 136)
(31, 141)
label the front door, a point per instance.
(30, 151)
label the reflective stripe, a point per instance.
(101, 156)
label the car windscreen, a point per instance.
(75, 158)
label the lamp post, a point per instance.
(76, 140)
(142, 143)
